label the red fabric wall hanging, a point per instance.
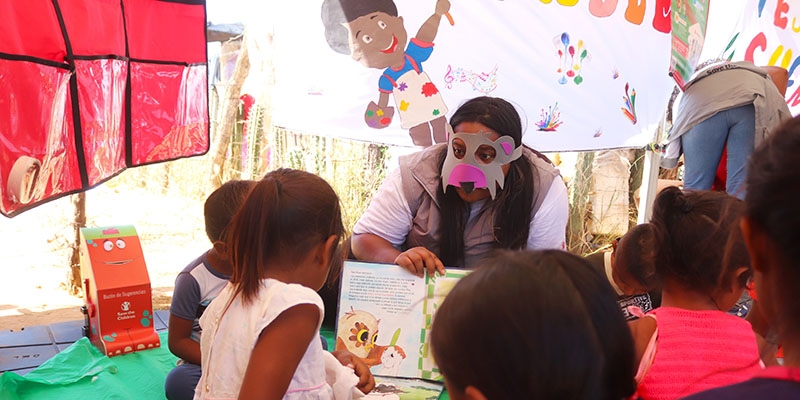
(91, 87)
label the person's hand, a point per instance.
(366, 382)
(418, 260)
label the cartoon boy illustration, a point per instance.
(374, 35)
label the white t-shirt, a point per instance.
(230, 336)
(389, 215)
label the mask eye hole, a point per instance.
(485, 154)
(459, 148)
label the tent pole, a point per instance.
(649, 185)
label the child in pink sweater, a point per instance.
(690, 343)
(771, 229)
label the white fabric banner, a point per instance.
(770, 35)
(585, 75)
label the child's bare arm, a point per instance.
(278, 352)
(427, 32)
(179, 339)
(642, 330)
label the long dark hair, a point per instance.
(548, 327)
(691, 231)
(512, 205)
(286, 214)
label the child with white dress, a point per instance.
(261, 333)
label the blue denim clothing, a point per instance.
(703, 145)
(726, 86)
(181, 381)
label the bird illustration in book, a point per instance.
(357, 332)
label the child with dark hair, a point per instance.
(452, 204)
(533, 325)
(262, 330)
(771, 230)
(630, 269)
(197, 285)
(633, 265)
(690, 343)
(373, 34)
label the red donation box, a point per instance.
(119, 306)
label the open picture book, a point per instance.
(385, 316)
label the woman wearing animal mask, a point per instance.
(453, 203)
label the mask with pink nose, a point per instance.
(468, 172)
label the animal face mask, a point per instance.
(474, 161)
